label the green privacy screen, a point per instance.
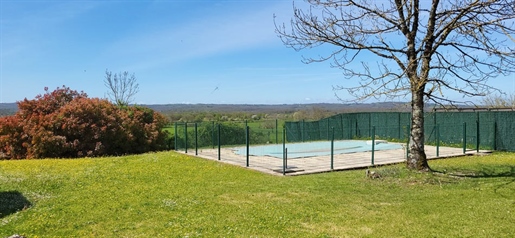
(350, 126)
(486, 129)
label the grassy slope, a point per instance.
(167, 194)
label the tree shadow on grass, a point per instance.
(506, 172)
(497, 171)
(12, 202)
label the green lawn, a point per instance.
(172, 195)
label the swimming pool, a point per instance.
(316, 148)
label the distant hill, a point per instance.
(11, 108)
(280, 108)
(8, 108)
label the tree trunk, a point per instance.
(417, 156)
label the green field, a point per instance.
(172, 195)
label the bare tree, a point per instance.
(122, 87)
(499, 101)
(412, 48)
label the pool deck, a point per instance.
(321, 164)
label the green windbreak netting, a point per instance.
(336, 127)
(391, 125)
(312, 130)
(362, 125)
(308, 130)
(348, 126)
(293, 130)
(485, 129)
(504, 127)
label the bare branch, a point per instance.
(460, 30)
(121, 87)
(420, 48)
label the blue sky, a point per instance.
(181, 51)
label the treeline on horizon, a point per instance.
(236, 112)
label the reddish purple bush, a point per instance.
(67, 124)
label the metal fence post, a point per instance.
(464, 137)
(247, 142)
(219, 141)
(285, 151)
(213, 134)
(285, 162)
(495, 136)
(175, 136)
(373, 142)
(477, 136)
(332, 149)
(196, 138)
(186, 137)
(276, 131)
(437, 140)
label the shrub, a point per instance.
(12, 138)
(66, 123)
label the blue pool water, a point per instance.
(316, 148)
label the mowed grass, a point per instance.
(173, 195)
